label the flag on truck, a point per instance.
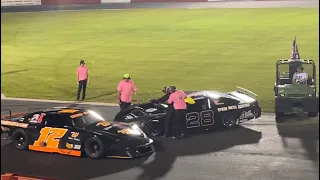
(295, 52)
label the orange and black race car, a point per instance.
(76, 132)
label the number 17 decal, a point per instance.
(50, 136)
(195, 119)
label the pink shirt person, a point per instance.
(82, 73)
(178, 99)
(126, 88)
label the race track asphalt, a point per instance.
(258, 150)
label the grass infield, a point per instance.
(216, 49)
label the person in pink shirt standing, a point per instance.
(177, 98)
(82, 79)
(125, 89)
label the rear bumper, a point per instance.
(286, 105)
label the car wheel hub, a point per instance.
(228, 122)
(20, 141)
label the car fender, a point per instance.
(149, 121)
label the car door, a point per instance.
(199, 115)
(54, 136)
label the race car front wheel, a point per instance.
(20, 139)
(153, 129)
(93, 148)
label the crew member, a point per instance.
(164, 98)
(82, 79)
(177, 98)
(169, 111)
(125, 89)
(299, 77)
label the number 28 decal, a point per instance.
(195, 119)
(50, 136)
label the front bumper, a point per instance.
(253, 111)
(127, 151)
(287, 105)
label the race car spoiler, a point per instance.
(8, 116)
(246, 92)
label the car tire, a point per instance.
(279, 117)
(228, 121)
(257, 112)
(20, 139)
(153, 129)
(94, 148)
(312, 114)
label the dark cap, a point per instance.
(82, 62)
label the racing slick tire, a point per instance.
(20, 139)
(312, 114)
(153, 129)
(257, 112)
(228, 120)
(94, 148)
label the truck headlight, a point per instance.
(310, 95)
(282, 95)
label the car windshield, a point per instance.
(283, 70)
(89, 117)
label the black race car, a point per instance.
(211, 110)
(76, 132)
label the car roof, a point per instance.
(205, 94)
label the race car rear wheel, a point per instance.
(153, 129)
(228, 120)
(93, 148)
(20, 139)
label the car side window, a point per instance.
(197, 106)
(56, 120)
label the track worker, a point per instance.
(82, 79)
(169, 111)
(125, 89)
(177, 98)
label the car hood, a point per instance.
(115, 129)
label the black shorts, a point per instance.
(124, 105)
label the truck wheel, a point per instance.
(20, 139)
(228, 121)
(94, 148)
(153, 129)
(312, 114)
(279, 117)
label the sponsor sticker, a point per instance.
(217, 102)
(104, 123)
(16, 124)
(74, 136)
(68, 111)
(222, 109)
(240, 106)
(246, 114)
(73, 146)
